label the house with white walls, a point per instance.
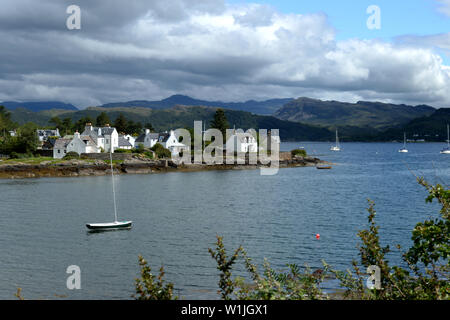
(129, 138)
(44, 134)
(167, 139)
(242, 142)
(124, 143)
(170, 141)
(79, 144)
(147, 139)
(104, 137)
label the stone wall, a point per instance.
(105, 156)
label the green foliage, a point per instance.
(161, 152)
(81, 124)
(151, 287)
(224, 265)
(427, 274)
(298, 152)
(122, 151)
(71, 155)
(220, 122)
(26, 141)
(121, 123)
(102, 120)
(6, 123)
(294, 284)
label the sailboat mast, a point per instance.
(448, 136)
(337, 139)
(112, 177)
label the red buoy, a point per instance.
(317, 236)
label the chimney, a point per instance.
(77, 135)
(147, 131)
(107, 125)
(89, 126)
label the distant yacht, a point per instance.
(447, 149)
(404, 150)
(337, 147)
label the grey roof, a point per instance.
(62, 143)
(141, 138)
(153, 136)
(163, 137)
(107, 130)
(88, 140)
(124, 142)
(94, 133)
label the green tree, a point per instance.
(102, 120)
(220, 122)
(81, 124)
(56, 122)
(6, 123)
(67, 126)
(121, 123)
(149, 126)
(151, 287)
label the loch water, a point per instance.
(178, 215)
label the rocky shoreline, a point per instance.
(83, 168)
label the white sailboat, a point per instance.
(447, 149)
(115, 224)
(337, 147)
(404, 149)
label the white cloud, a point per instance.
(444, 7)
(212, 51)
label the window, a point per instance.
(59, 151)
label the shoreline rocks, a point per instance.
(81, 168)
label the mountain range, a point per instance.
(297, 119)
(38, 106)
(267, 107)
(362, 114)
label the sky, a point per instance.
(229, 50)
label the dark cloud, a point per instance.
(142, 49)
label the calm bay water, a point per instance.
(178, 215)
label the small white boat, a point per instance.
(111, 225)
(404, 150)
(336, 148)
(447, 149)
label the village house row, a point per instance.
(106, 139)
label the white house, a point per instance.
(147, 139)
(125, 143)
(44, 134)
(103, 137)
(170, 141)
(79, 144)
(130, 139)
(241, 142)
(60, 148)
(167, 139)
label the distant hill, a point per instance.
(38, 106)
(362, 114)
(182, 117)
(430, 128)
(267, 107)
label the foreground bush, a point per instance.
(426, 276)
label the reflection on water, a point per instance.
(178, 215)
